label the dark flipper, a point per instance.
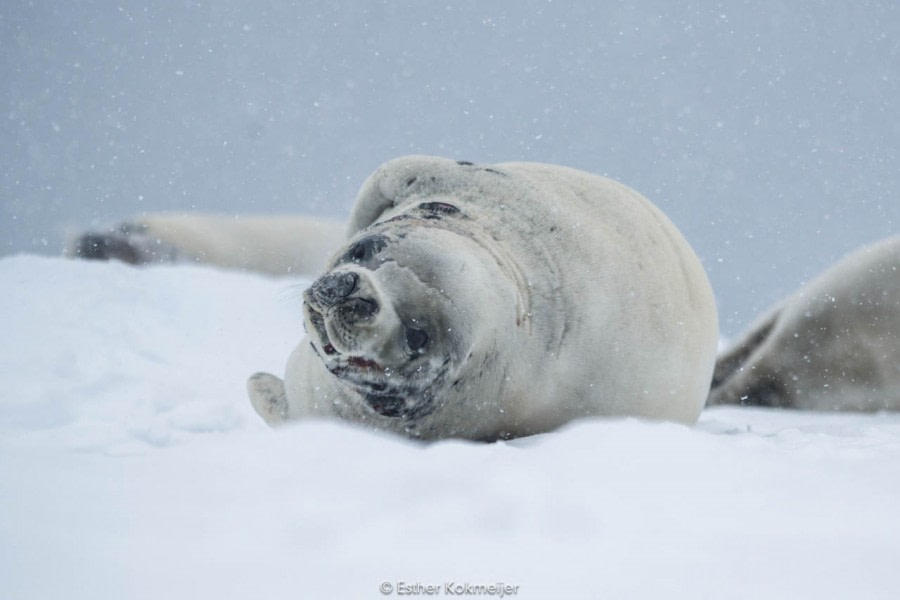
(739, 378)
(129, 242)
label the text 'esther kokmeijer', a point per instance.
(449, 588)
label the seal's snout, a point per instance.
(347, 314)
(334, 287)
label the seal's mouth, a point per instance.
(372, 381)
(382, 355)
(382, 389)
(369, 378)
(317, 321)
(364, 363)
(338, 364)
(363, 374)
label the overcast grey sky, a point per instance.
(768, 131)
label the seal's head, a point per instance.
(398, 313)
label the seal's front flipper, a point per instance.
(268, 398)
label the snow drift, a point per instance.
(132, 466)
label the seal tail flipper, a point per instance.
(129, 242)
(277, 245)
(734, 378)
(268, 398)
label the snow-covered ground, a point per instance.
(132, 466)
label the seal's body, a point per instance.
(489, 302)
(277, 245)
(834, 345)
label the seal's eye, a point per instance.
(416, 339)
(437, 210)
(366, 248)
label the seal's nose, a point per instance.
(347, 314)
(331, 288)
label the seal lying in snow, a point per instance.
(834, 345)
(493, 301)
(277, 244)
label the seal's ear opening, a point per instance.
(268, 398)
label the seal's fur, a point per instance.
(834, 345)
(493, 301)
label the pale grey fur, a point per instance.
(833, 345)
(557, 295)
(278, 245)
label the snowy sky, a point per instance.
(768, 131)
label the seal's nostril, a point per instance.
(348, 283)
(334, 287)
(359, 308)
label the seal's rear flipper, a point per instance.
(734, 380)
(128, 242)
(268, 398)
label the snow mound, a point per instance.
(132, 466)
